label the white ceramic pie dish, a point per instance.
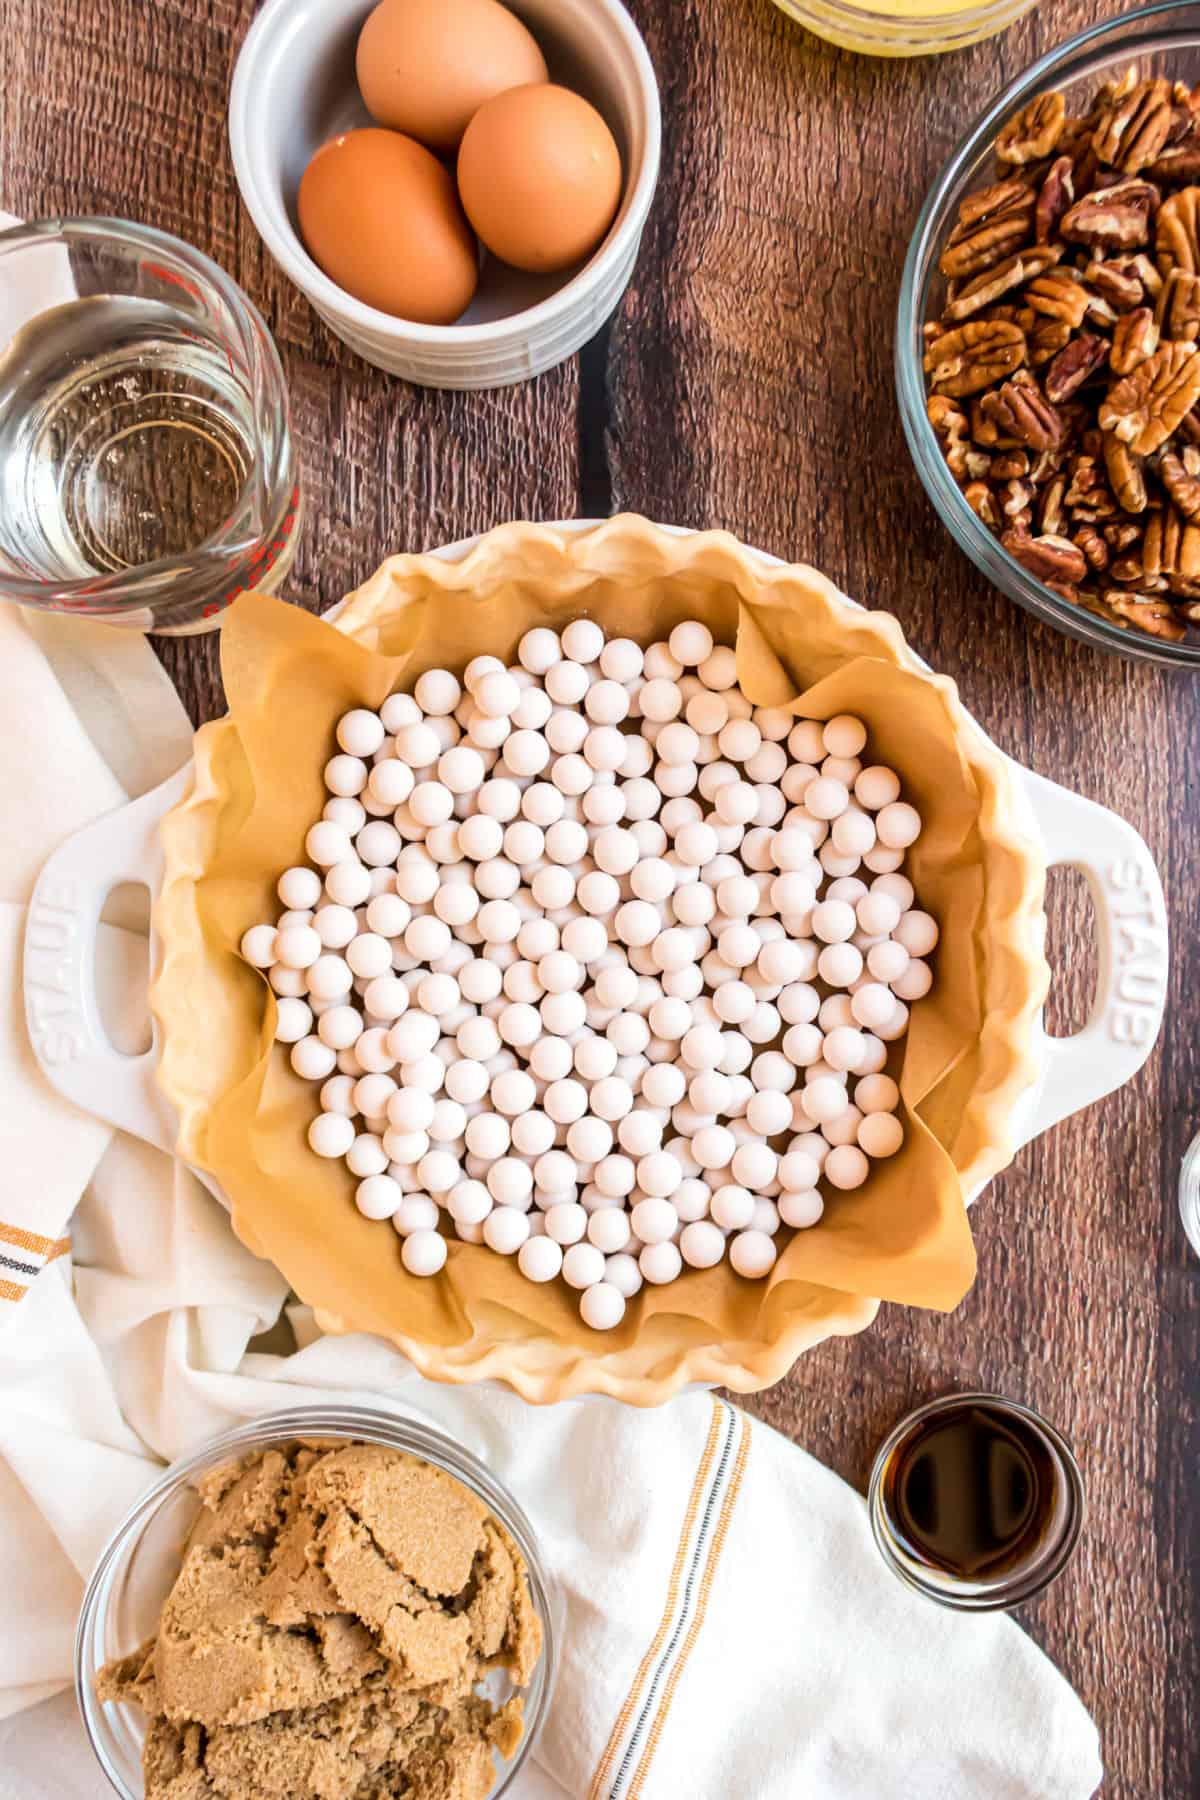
(70, 1042)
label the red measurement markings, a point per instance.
(261, 564)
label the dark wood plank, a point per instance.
(760, 328)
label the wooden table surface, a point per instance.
(746, 383)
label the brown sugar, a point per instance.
(335, 1610)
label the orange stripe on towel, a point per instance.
(29, 1240)
(601, 1777)
(697, 1625)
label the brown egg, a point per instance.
(540, 177)
(427, 66)
(381, 216)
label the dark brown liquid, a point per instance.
(971, 1490)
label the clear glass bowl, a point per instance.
(1162, 39)
(147, 468)
(135, 1572)
(897, 28)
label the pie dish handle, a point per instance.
(1132, 940)
(62, 1010)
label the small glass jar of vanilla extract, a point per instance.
(976, 1502)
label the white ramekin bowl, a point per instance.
(294, 88)
(138, 1566)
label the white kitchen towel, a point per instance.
(72, 691)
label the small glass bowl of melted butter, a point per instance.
(903, 27)
(976, 1502)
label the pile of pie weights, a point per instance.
(598, 964)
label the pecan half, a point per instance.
(1177, 232)
(1147, 406)
(1012, 314)
(947, 419)
(950, 423)
(1123, 537)
(1033, 132)
(1178, 311)
(965, 462)
(1046, 339)
(986, 433)
(999, 222)
(1088, 539)
(1112, 218)
(1125, 474)
(1050, 513)
(1182, 484)
(1154, 616)
(1183, 118)
(1135, 127)
(1050, 558)
(974, 356)
(1087, 172)
(1099, 311)
(1119, 286)
(1013, 465)
(1000, 197)
(1135, 337)
(1059, 295)
(1056, 194)
(1141, 267)
(982, 502)
(1046, 466)
(1188, 102)
(1171, 546)
(1176, 166)
(1111, 91)
(1074, 365)
(988, 287)
(1076, 132)
(1088, 495)
(1021, 410)
(1016, 501)
(1129, 571)
(1092, 603)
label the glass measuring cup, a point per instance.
(147, 471)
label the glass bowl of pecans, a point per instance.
(1048, 339)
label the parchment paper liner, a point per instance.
(966, 1059)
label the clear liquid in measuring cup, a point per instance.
(125, 438)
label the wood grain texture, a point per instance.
(757, 337)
